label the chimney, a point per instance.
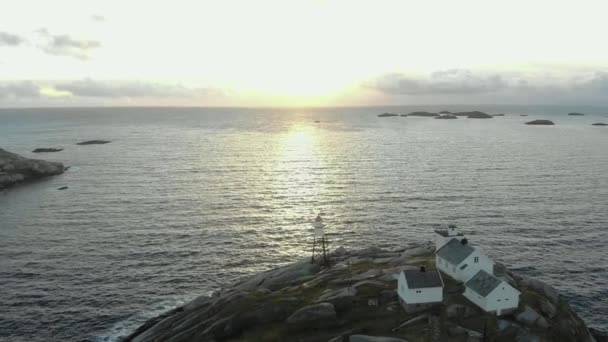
(464, 241)
(422, 269)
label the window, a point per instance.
(476, 259)
(463, 266)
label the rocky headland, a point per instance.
(17, 169)
(355, 299)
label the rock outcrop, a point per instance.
(16, 169)
(540, 122)
(355, 299)
(93, 142)
(47, 150)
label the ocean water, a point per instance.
(184, 201)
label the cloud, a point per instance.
(8, 39)
(19, 90)
(98, 17)
(452, 81)
(129, 89)
(65, 45)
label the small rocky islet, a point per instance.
(47, 150)
(444, 114)
(16, 169)
(94, 142)
(540, 122)
(355, 299)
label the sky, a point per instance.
(302, 53)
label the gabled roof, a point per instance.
(418, 280)
(455, 252)
(444, 233)
(483, 283)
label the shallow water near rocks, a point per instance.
(183, 201)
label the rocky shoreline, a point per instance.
(355, 299)
(16, 169)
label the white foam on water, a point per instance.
(125, 327)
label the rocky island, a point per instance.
(446, 117)
(540, 122)
(47, 150)
(426, 114)
(93, 142)
(16, 169)
(356, 299)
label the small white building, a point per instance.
(443, 236)
(491, 294)
(461, 261)
(420, 287)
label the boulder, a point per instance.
(15, 169)
(540, 122)
(531, 318)
(313, 313)
(368, 338)
(49, 149)
(539, 286)
(94, 142)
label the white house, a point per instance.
(444, 236)
(420, 287)
(491, 294)
(461, 261)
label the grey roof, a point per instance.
(483, 283)
(444, 233)
(455, 252)
(417, 280)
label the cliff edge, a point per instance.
(355, 299)
(16, 169)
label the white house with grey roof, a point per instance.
(491, 294)
(461, 261)
(443, 236)
(420, 287)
